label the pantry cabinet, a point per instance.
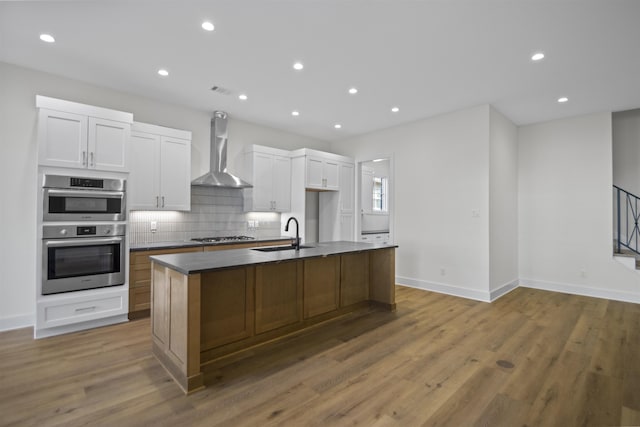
(269, 171)
(82, 136)
(160, 177)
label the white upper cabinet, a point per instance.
(269, 171)
(82, 136)
(322, 173)
(160, 177)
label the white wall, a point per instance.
(503, 204)
(565, 209)
(18, 167)
(626, 150)
(441, 176)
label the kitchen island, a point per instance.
(208, 305)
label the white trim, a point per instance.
(444, 289)
(83, 109)
(65, 329)
(504, 289)
(160, 130)
(571, 288)
(17, 322)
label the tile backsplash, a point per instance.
(214, 212)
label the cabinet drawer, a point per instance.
(64, 313)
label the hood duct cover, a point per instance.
(218, 175)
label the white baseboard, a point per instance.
(571, 288)
(504, 289)
(444, 289)
(17, 322)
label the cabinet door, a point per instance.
(347, 227)
(175, 174)
(62, 139)
(108, 145)
(315, 177)
(144, 178)
(331, 175)
(262, 182)
(227, 309)
(281, 188)
(321, 285)
(347, 187)
(278, 295)
(354, 278)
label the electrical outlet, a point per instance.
(154, 226)
(443, 271)
(256, 224)
(583, 273)
(475, 213)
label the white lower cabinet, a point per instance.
(160, 177)
(375, 238)
(74, 308)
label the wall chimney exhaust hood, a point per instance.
(218, 175)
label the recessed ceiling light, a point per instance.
(298, 66)
(47, 38)
(242, 97)
(563, 99)
(353, 91)
(295, 113)
(206, 25)
(395, 109)
(537, 56)
(337, 126)
(163, 72)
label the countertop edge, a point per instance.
(191, 244)
(263, 258)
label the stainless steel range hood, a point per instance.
(218, 175)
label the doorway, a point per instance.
(375, 201)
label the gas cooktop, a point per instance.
(222, 239)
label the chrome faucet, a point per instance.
(296, 243)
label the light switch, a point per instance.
(154, 226)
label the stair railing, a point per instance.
(628, 215)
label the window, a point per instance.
(380, 194)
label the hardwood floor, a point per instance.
(532, 358)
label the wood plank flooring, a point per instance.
(532, 358)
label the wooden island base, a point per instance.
(202, 317)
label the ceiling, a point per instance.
(425, 57)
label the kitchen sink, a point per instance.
(280, 248)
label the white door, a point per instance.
(347, 187)
(108, 144)
(62, 139)
(331, 175)
(315, 177)
(143, 186)
(347, 227)
(262, 182)
(175, 179)
(282, 183)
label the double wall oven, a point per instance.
(83, 233)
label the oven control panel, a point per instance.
(75, 231)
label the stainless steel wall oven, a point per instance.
(67, 198)
(82, 256)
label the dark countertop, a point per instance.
(192, 244)
(199, 262)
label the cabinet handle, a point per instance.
(84, 158)
(163, 201)
(91, 162)
(92, 308)
(157, 201)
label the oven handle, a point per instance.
(75, 241)
(86, 193)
